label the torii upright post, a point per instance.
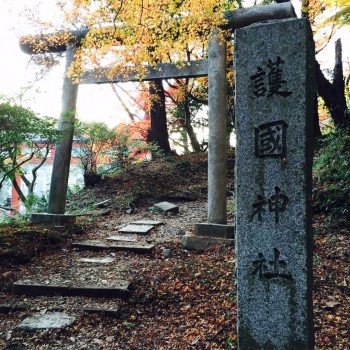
(217, 152)
(60, 171)
(217, 146)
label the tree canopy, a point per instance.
(126, 34)
(22, 128)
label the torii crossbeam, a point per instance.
(217, 169)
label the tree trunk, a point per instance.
(341, 111)
(189, 128)
(183, 133)
(19, 191)
(333, 94)
(159, 130)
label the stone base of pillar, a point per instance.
(201, 243)
(214, 230)
(52, 219)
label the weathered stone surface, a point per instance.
(32, 288)
(98, 260)
(166, 207)
(217, 143)
(243, 17)
(166, 252)
(48, 321)
(100, 245)
(214, 230)
(275, 94)
(115, 312)
(119, 289)
(147, 222)
(201, 243)
(141, 229)
(52, 219)
(161, 71)
(61, 163)
(122, 238)
(7, 308)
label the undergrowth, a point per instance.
(332, 176)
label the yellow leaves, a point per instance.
(82, 2)
(148, 30)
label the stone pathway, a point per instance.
(94, 273)
(84, 281)
(116, 289)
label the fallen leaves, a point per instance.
(185, 302)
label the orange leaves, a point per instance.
(147, 30)
(186, 289)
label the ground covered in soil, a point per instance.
(179, 300)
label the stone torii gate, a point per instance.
(275, 88)
(214, 68)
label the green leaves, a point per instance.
(21, 129)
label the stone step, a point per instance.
(100, 245)
(147, 222)
(50, 320)
(7, 308)
(122, 238)
(119, 289)
(98, 260)
(140, 229)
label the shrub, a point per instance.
(332, 175)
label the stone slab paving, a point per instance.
(100, 245)
(141, 229)
(7, 308)
(119, 289)
(109, 312)
(47, 321)
(98, 260)
(122, 238)
(147, 222)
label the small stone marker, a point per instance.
(275, 95)
(142, 229)
(49, 320)
(122, 238)
(147, 222)
(103, 260)
(166, 207)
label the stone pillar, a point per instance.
(275, 91)
(61, 164)
(217, 144)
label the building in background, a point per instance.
(8, 194)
